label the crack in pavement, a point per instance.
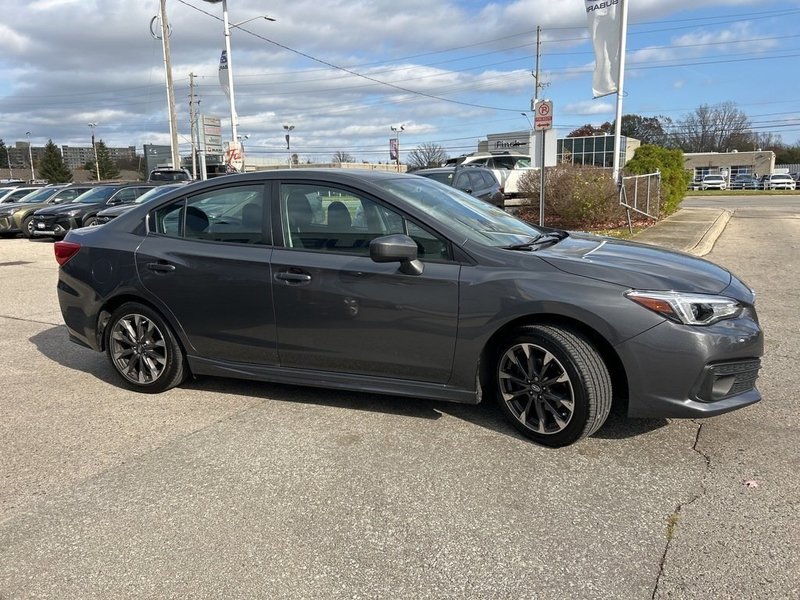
(30, 320)
(674, 518)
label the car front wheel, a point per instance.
(552, 384)
(27, 227)
(143, 349)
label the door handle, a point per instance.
(293, 277)
(160, 267)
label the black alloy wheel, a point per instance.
(553, 385)
(143, 349)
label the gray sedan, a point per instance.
(398, 285)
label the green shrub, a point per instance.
(576, 197)
(674, 179)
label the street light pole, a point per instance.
(30, 156)
(397, 129)
(94, 147)
(289, 128)
(227, 32)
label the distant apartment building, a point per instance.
(76, 157)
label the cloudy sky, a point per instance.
(344, 72)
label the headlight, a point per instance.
(6, 214)
(689, 309)
(73, 212)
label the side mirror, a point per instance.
(396, 248)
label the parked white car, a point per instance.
(713, 182)
(779, 181)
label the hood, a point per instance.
(635, 265)
(59, 209)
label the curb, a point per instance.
(709, 238)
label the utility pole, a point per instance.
(537, 90)
(173, 119)
(193, 124)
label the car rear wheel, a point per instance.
(552, 384)
(27, 227)
(143, 349)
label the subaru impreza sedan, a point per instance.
(395, 284)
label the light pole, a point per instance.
(30, 156)
(289, 128)
(94, 147)
(10, 170)
(397, 129)
(241, 140)
(530, 136)
(227, 31)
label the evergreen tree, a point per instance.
(3, 155)
(52, 166)
(108, 168)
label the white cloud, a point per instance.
(589, 107)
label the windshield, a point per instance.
(96, 195)
(39, 196)
(440, 176)
(476, 220)
(155, 193)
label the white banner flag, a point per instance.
(223, 73)
(604, 28)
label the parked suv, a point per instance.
(56, 221)
(500, 163)
(744, 182)
(779, 181)
(477, 181)
(713, 182)
(162, 175)
(112, 212)
(17, 217)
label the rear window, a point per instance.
(169, 176)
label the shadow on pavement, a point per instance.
(55, 345)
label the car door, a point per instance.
(337, 310)
(206, 259)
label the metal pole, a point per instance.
(192, 125)
(541, 184)
(94, 149)
(288, 129)
(623, 35)
(173, 119)
(30, 156)
(227, 30)
(10, 170)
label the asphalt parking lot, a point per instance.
(224, 488)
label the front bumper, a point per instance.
(680, 371)
(53, 226)
(8, 225)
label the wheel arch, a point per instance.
(616, 368)
(112, 304)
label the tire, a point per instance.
(27, 226)
(90, 222)
(143, 349)
(552, 385)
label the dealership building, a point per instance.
(729, 164)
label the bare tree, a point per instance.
(427, 155)
(340, 156)
(715, 128)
